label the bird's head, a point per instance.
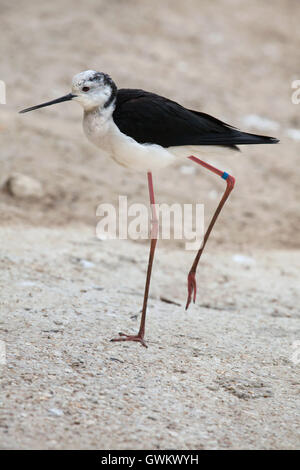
(91, 89)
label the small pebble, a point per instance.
(259, 122)
(187, 170)
(24, 187)
(242, 259)
(56, 412)
(293, 134)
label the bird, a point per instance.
(146, 132)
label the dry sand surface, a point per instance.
(222, 375)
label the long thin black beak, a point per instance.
(58, 100)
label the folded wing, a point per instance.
(150, 118)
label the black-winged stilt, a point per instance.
(145, 132)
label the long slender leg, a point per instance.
(192, 286)
(154, 232)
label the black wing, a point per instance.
(150, 118)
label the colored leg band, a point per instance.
(225, 175)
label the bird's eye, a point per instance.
(85, 88)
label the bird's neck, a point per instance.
(98, 114)
(97, 123)
(97, 118)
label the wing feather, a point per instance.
(150, 118)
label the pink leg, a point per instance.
(192, 287)
(154, 232)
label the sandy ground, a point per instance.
(218, 376)
(222, 374)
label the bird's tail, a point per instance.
(240, 138)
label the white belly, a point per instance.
(140, 157)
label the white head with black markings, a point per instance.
(93, 89)
(90, 89)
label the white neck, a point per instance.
(96, 125)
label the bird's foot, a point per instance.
(138, 338)
(192, 289)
